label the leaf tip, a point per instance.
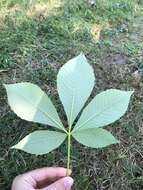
(131, 91)
(5, 85)
(117, 141)
(12, 147)
(82, 55)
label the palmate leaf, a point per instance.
(29, 102)
(41, 142)
(95, 138)
(75, 82)
(104, 109)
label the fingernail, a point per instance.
(68, 182)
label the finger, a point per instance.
(44, 175)
(62, 184)
(23, 182)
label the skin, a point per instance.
(43, 179)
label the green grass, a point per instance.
(35, 40)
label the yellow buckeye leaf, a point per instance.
(41, 142)
(95, 138)
(30, 103)
(75, 82)
(104, 109)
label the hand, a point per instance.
(43, 179)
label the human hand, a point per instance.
(43, 179)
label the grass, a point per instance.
(36, 38)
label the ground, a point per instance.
(36, 38)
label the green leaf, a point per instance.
(41, 142)
(95, 138)
(75, 82)
(29, 102)
(104, 109)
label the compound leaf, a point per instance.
(75, 82)
(29, 102)
(95, 138)
(104, 109)
(41, 142)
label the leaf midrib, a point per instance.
(72, 108)
(73, 101)
(40, 140)
(45, 113)
(84, 123)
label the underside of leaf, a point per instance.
(41, 142)
(29, 102)
(75, 82)
(95, 138)
(104, 109)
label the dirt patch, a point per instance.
(118, 59)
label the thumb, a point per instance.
(62, 184)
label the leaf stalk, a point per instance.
(69, 152)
